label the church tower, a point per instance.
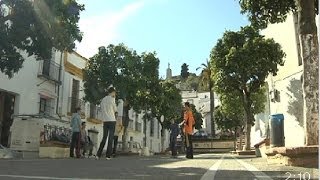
(169, 72)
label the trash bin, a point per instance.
(277, 130)
(93, 134)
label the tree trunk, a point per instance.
(310, 48)
(213, 130)
(145, 132)
(235, 139)
(162, 139)
(249, 119)
(240, 143)
(125, 122)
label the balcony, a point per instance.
(49, 70)
(73, 103)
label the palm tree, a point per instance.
(206, 81)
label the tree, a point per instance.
(240, 62)
(120, 67)
(36, 27)
(197, 117)
(168, 104)
(206, 81)
(99, 74)
(261, 13)
(184, 71)
(232, 108)
(151, 88)
(230, 115)
(192, 82)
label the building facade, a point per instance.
(285, 94)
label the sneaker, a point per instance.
(108, 158)
(97, 158)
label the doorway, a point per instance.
(7, 101)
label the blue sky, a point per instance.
(180, 31)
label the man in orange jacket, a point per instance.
(188, 121)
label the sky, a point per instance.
(179, 31)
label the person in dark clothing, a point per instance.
(174, 132)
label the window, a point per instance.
(45, 106)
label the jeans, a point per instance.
(189, 147)
(173, 146)
(75, 143)
(115, 144)
(108, 133)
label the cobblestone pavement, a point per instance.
(202, 167)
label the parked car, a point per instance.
(200, 134)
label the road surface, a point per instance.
(202, 167)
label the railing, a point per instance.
(49, 69)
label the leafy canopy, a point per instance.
(262, 12)
(36, 27)
(184, 71)
(242, 60)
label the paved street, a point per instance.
(204, 167)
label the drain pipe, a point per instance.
(59, 79)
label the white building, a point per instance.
(55, 88)
(285, 89)
(202, 104)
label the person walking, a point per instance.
(76, 128)
(174, 132)
(188, 122)
(109, 110)
(117, 132)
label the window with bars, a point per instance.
(45, 106)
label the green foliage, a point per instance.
(168, 103)
(36, 27)
(205, 76)
(184, 71)
(240, 63)
(231, 112)
(225, 121)
(242, 60)
(192, 82)
(261, 12)
(197, 117)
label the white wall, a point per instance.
(24, 85)
(288, 83)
